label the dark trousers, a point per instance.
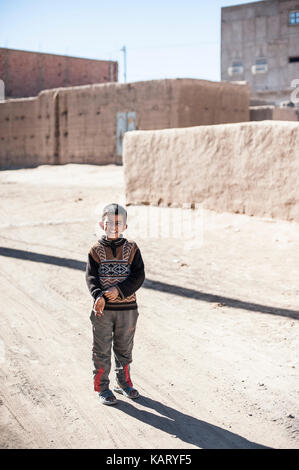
(117, 328)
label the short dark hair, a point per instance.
(115, 209)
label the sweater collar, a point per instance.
(117, 242)
(112, 243)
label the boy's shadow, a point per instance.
(184, 427)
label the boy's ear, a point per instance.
(101, 225)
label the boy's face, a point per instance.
(113, 225)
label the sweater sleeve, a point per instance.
(135, 278)
(92, 278)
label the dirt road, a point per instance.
(216, 347)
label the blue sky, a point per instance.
(164, 38)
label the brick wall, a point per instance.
(27, 73)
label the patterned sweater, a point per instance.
(115, 263)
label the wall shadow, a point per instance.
(155, 285)
(19, 167)
(184, 427)
(40, 258)
(223, 300)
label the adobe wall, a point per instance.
(78, 124)
(89, 128)
(265, 113)
(203, 102)
(88, 116)
(248, 168)
(27, 131)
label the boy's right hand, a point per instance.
(99, 307)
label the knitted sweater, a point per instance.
(115, 263)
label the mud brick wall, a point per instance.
(87, 115)
(203, 102)
(249, 168)
(26, 73)
(78, 124)
(18, 133)
(27, 131)
(265, 113)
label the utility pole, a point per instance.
(2, 90)
(124, 49)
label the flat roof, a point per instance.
(57, 55)
(244, 4)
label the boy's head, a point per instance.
(114, 220)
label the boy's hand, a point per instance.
(99, 307)
(111, 293)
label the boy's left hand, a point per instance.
(111, 293)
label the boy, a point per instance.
(114, 272)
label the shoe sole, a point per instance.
(122, 392)
(108, 402)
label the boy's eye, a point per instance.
(113, 224)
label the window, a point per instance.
(236, 68)
(293, 59)
(260, 66)
(294, 18)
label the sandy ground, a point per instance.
(216, 347)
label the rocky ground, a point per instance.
(216, 346)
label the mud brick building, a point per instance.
(27, 73)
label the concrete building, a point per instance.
(260, 44)
(26, 73)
